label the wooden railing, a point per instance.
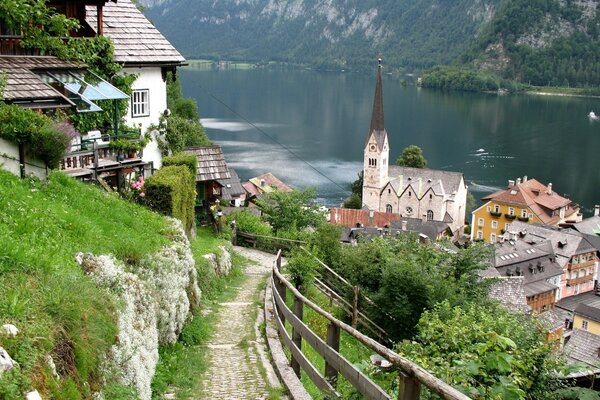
(411, 375)
(269, 244)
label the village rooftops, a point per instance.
(211, 163)
(422, 179)
(136, 40)
(265, 183)
(583, 347)
(588, 298)
(232, 187)
(510, 292)
(591, 226)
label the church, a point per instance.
(426, 194)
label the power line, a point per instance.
(345, 191)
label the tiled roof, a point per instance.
(571, 303)
(23, 83)
(136, 40)
(231, 187)
(588, 311)
(211, 163)
(535, 195)
(423, 179)
(350, 217)
(266, 183)
(583, 347)
(535, 263)
(509, 292)
(590, 225)
(538, 287)
(553, 319)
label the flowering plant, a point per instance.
(137, 187)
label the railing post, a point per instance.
(296, 338)
(355, 307)
(409, 388)
(333, 341)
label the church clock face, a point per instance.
(373, 147)
(409, 210)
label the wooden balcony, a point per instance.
(583, 265)
(579, 280)
(9, 46)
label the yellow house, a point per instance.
(587, 318)
(527, 200)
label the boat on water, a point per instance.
(592, 115)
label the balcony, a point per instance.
(523, 219)
(579, 280)
(582, 265)
(510, 216)
(495, 214)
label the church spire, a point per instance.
(377, 117)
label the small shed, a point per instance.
(211, 169)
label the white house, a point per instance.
(427, 194)
(145, 52)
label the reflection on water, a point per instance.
(322, 119)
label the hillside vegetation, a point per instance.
(45, 293)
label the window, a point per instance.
(388, 208)
(506, 227)
(496, 208)
(584, 325)
(494, 224)
(488, 208)
(479, 235)
(480, 222)
(511, 211)
(523, 213)
(429, 215)
(430, 196)
(493, 238)
(140, 103)
(389, 191)
(372, 162)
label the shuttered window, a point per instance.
(140, 103)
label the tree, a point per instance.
(485, 351)
(291, 211)
(354, 201)
(412, 156)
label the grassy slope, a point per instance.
(44, 292)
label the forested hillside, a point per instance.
(327, 34)
(542, 42)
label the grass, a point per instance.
(56, 308)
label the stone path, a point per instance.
(236, 359)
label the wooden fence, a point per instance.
(269, 244)
(411, 376)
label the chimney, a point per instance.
(511, 183)
(262, 183)
(524, 178)
(596, 210)
(549, 189)
(518, 181)
(404, 225)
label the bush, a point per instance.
(249, 223)
(188, 160)
(171, 192)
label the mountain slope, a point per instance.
(414, 34)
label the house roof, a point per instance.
(136, 40)
(509, 291)
(533, 288)
(232, 187)
(350, 217)
(539, 198)
(265, 183)
(24, 84)
(588, 311)
(423, 179)
(583, 347)
(211, 163)
(553, 319)
(570, 303)
(590, 226)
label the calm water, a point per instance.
(301, 122)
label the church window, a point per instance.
(372, 162)
(409, 194)
(409, 210)
(429, 215)
(388, 208)
(389, 191)
(430, 196)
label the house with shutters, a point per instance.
(422, 193)
(144, 52)
(526, 200)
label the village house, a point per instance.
(574, 253)
(232, 189)
(527, 200)
(427, 194)
(211, 172)
(590, 226)
(144, 52)
(265, 183)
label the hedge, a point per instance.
(188, 160)
(171, 192)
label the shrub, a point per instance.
(249, 223)
(171, 192)
(188, 160)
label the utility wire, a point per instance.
(345, 191)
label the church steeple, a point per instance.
(377, 122)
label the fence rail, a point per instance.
(411, 376)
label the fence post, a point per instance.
(355, 307)
(296, 338)
(333, 341)
(410, 388)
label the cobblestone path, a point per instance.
(235, 357)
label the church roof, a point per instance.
(423, 179)
(377, 127)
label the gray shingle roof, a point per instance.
(232, 187)
(583, 347)
(588, 311)
(589, 225)
(570, 303)
(211, 163)
(423, 179)
(509, 291)
(136, 40)
(23, 83)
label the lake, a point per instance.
(309, 129)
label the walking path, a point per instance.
(239, 367)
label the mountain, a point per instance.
(413, 34)
(542, 42)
